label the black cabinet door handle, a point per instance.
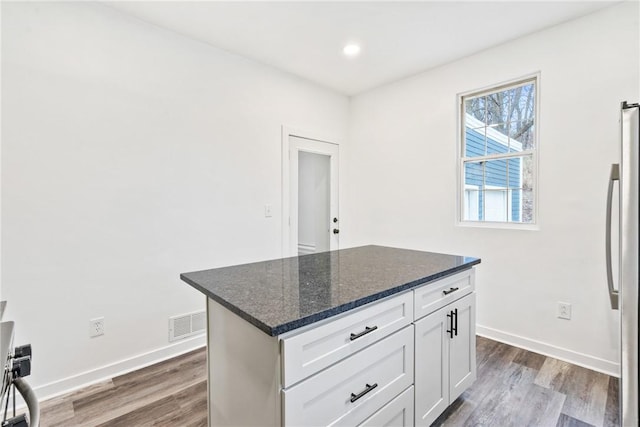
(450, 290)
(363, 333)
(450, 322)
(336, 231)
(455, 317)
(367, 389)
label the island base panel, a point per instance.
(244, 371)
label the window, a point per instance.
(498, 155)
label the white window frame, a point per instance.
(460, 221)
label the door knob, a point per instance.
(336, 231)
(335, 219)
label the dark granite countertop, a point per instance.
(285, 294)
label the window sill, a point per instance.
(498, 225)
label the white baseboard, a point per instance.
(75, 382)
(580, 359)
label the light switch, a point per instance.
(267, 211)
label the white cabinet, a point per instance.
(399, 361)
(445, 357)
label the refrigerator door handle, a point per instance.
(613, 294)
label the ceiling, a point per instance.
(398, 39)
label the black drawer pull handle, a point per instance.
(355, 397)
(450, 290)
(365, 332)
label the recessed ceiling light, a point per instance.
(351, 49)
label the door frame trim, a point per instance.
(288, 132)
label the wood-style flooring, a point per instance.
(170, 393)
(515, 387)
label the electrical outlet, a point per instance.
(96, 327)
(564, 310)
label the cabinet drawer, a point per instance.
(435, 295)
(349, 392)
(313, 350)
(397, 413)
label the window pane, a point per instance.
(514, 167)
(497, 140)
(528, 138)
(495, 174)
(474, 142)
(527, 206)
(515, 205)
(524, 107)
(521, 172)
(495, 208)
(521, 136)
(527, 172)
(510, 95)
(489, 140)
(474, 174)
(472, 199)
(520, 181)
(472, 205)
(497, 108)
(475, 107)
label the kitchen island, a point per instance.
(348, 337)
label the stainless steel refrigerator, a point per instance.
(624, 296)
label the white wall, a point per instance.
(131, 154)
(408, 129)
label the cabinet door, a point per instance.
(431, 367)
(462, 347)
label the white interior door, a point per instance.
(313, 222)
